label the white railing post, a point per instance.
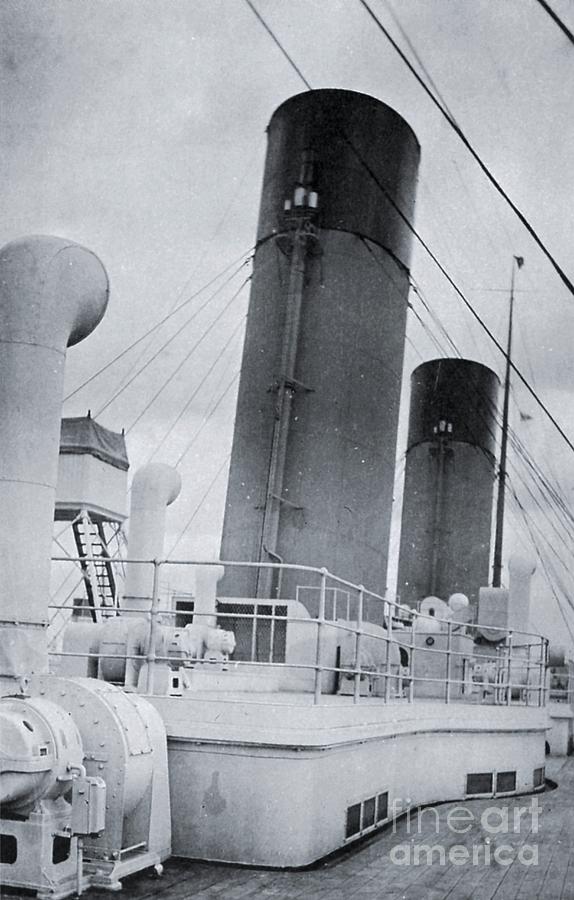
(389, 642)
(358, 639)
(254, 632)
(272, 631)
(509, 670)
(542, 685)
(448, 661)
(528, 672)
(154, 611)
(320, 627)
(412, 661)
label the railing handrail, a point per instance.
(486, 674)
(322, 572)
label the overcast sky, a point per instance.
(137, 127)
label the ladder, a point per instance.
(95, 561)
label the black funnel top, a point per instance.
(454, 397)
(356, 153)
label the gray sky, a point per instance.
(137, 127)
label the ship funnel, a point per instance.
(154, 488)
(449, 473)
(312, 465)
(53, 293)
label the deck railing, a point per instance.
(338, 638)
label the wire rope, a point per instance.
(194, 394)
(200, 504)
(170, 340)
(557, 20)
(207, 419)
(461, 135)
(159, 323)
(187, 356)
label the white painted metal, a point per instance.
(337, 754)
(124, 743)
(520, 571)
(85, 482)
(53, 293)
(40, 747)
(154, 487)
(507, 608)
(206, 580)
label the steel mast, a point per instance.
(517, 263)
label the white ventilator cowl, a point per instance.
(520, 572)
(458, 602)
(53, 293)
(154, 488)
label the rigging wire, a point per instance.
(194, 394)
(425, 245)
(201, 502)
(557, 20)
(441, 349)
(569, 548)
(416, 288)
(551, 575)
(188, 355)
(427, 331)
(172, 338)
(159, 323)
(444, 111)
(289, 59)
(412, 48)
(549, 579)
(462, 136)
(214, 234)
(207, 418)
(60, 587)
(538, 474)
(549, 495)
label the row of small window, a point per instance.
(489, 783)
(365, 816)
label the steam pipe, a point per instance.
(53, 293)
(285, 391)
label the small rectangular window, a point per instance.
(479, 783)
(184, 610)
(353, 820)
(538, 777)
(382, 807)
(505, 782)
(61, 848)
(369, 812)
(8, 849)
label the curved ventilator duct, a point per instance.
(507, 608)
(53, 293)
(154, 488)
(125, 643)
(520, 572)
